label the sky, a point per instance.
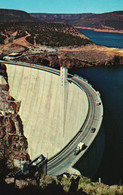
(63, 6)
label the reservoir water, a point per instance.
(109, 82)
(104, 38)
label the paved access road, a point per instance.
(65, 159)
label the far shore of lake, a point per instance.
(100, 30)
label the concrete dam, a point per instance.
(57, 112)
(40, 94)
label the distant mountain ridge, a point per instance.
(110, 20)
(10, 15)
(61, 18)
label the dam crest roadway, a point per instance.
(58, 111)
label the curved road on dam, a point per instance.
(65, 159)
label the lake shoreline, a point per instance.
(100, 30)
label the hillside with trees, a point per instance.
(56, 34)
(50, 34)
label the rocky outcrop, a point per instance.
(51, 59)
(63, 184)
(13, 143)
(77, 57)
(91, 56)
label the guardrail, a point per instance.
(71, 79)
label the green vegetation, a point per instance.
(11, 27)
(62, 185)
(54, 34)
(50, 34)
(58, 39)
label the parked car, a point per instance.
(93, 130)
(98, 103)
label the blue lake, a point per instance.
(109, 82)
(104, 38)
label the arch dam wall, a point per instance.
(40, 111)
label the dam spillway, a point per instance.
(40, 95)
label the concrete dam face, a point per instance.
(48, 124)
